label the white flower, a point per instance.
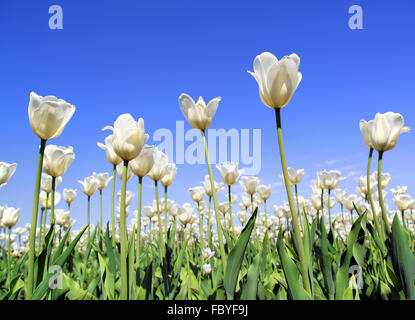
(197, 193)
(90, 185)
(230, 173)
(112, 157)
(169, 175)
(277, 80)
(328, 180)
(249, 183)
(199, 115)
(102, 179)
(6, 171)
(57, 160)
(69, 195)
(10, 217)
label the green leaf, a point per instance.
(402, 258)
(291, 273)
(236, 256)
(249, 290)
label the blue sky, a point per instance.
(138, 57)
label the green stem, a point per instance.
(39, 244)
(369, 194)
(112, 206)
(381, 203)
(189, 280)
(215, 204)
(294, 217)
(9, 258)
(123, 234)
(403, 219)
(209, 224)
(298, 206)
(89, 232)
(201, 236)
(52, 200)
(160, 235)
(32, 236)
(140, 182)
(165, 213)
(100, 210)
(230, 210)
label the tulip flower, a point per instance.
(399, 190)
(185, 214)
(328, 180)
(90, 186)
(6, 171)
(103, 179)
(69, 195)
(404, 202)
(167, 180)
(55, 163)
(277, 82)
(128, 197)
(62, 218)
(197, 194)
(207, 268)
(250, 184)
(264, 193)
(9, 220)
(295, 176)
(46, 182)
(48, 117)
(200, 117)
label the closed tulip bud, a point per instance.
(57, 160)
(143, 163)
(185, 214)
(277, 80)
(69, 195)
(112, 157)
(103, 179)
(385, 130)
(246, 200)
(48, 115)
(199, 115)
(249, 183)
(62, 217)
(129, 136)
(169, 175)
(328, 180)
(230, 173)
(159, 167)
(365, 130)
(349, 200)
(6, 171)
(149, 211)
(315, 188)
(120, 167)
(90, 185)
(10, 217)
(173, 209)
(46, 182)
(197, 193)
(264, 191)
(207, 268)
(207, 186)
(403, 201)
(316, 201)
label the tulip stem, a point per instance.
(230, 210)
(89, 233)
(403, 219)
(165, 213)
(100, 210)
(209, 225)
(160, 227)
(123, 233)
(39, 244)
(369, 193)
(294, 217)
(381, 203)
(8, 257)
(201, 235)
(215, 204)
(112, 206)
(52, 200)
(35, 209)
(140, 182)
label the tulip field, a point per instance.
(237, 249)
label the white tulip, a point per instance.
(185, 214)
(57, 160)
(112, 157)
(385, 178)
(230, 173)
(48, 115)
(62, 217)
(169, 175)
(207, 186)
(129, 136)
(10, 217)
(159, 167)
(249, 183)
(197, 194)
(385, 130)
(103, 179)
(46, 182)
(6, 171)
(120, 168)
(69, 195)
(403, 201)
(399, 190)
(277, 80)
(143, 163)
(90, 185)
(328, 180)
(199, 115)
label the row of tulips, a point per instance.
(304, 251)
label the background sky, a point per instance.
(137, 57)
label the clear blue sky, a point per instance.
(115, 57)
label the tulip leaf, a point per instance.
(249, 290)
(234, 260)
